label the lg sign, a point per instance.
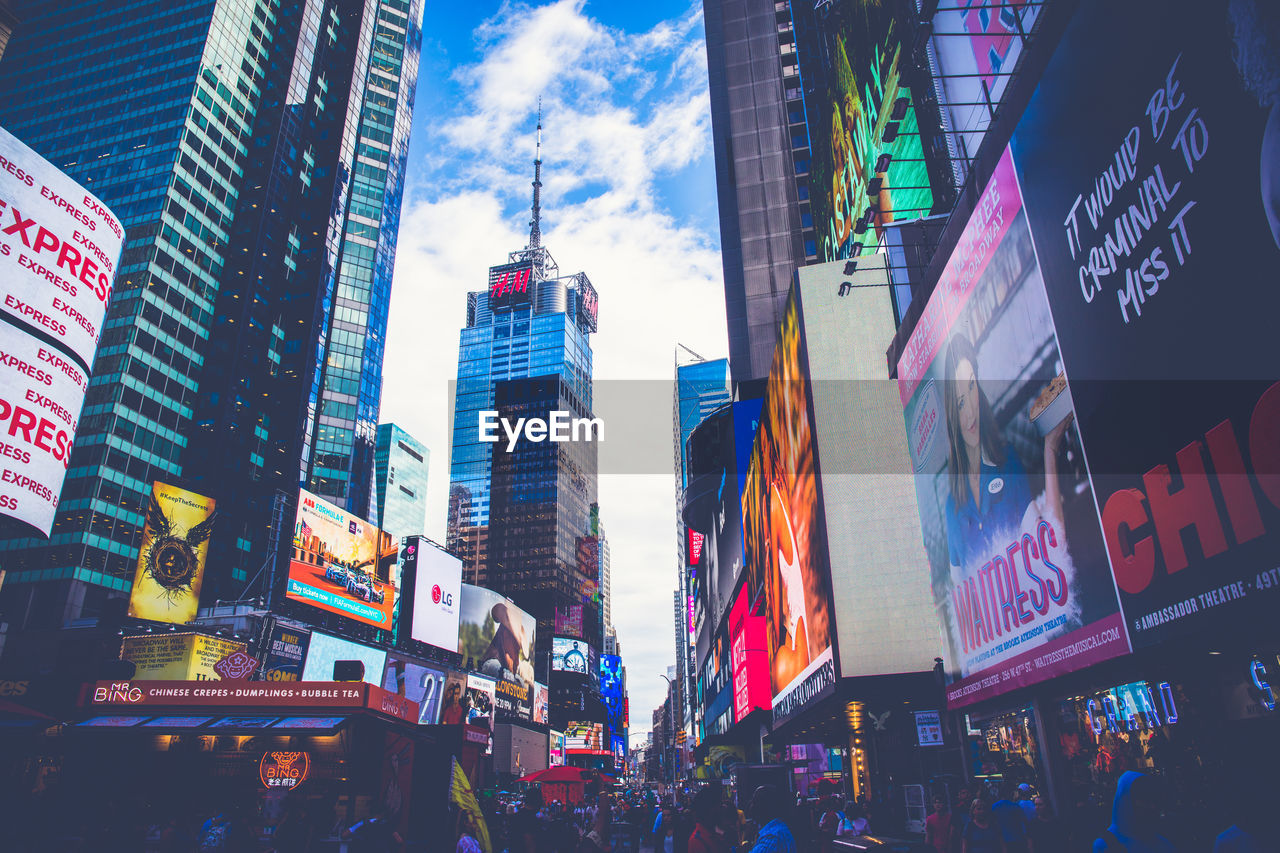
(438, 596)
(438, 585)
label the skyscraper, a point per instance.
(255, 154)
(761, 145)
(402, 463)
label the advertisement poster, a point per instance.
(569, 621)
(570, 655)
(286, 654)
(499, 639)
(585, 739)
(175, 544)
(541, 703)
(415, 680)
(555, 756)
(1158, 228)
(453, 708)
(342, 564)
(437, 593)
(1017, 564)
(59, 245)
(611, 690)
(784, 543)
(481, 704)
(177, 657)
(868, 165)
(324, 650)
(749, 658)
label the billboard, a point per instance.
(171, 563)
(342, 564)
(1017, 563)
(324, 650)
(59, 245)
(541, 703)
(555, 752)
(498, 638)
(177, 657)
(570, 655)
(749, 658)
(585, 739)
(1158, 228)
(869, 165)
(481, 704)
(784, 540)
(437, 593)
(286, 654)
(454, 707)
(417, 681)
(612, 690)
(511, 284)
(569, 621)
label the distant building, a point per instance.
(401, 482)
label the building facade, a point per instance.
(255, 154)
(402, 463)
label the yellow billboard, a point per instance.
(176, 657)
(175, 545)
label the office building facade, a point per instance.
(402, 463)
(255, 154)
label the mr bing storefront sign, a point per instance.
(284, 769)
(300, 696)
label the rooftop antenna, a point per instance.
(691, 352)
(535, 227)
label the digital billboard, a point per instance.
(59, 246)
(481, 704)
(417, 681)
(612, 690)
(585, 739)
(1157, 223)
(499, 639)
(749, 658)
(784, 540)
(286, 654)
(869, 165)
(171, 563)
(455, 705)
(541, 703)
(511, 284)
(570, 655)
(569, 621)
(342, 564)
(1017, 562)
(324, 650)
(437, 592)
(555, 751)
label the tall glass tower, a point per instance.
(402, 463)
(255, 151)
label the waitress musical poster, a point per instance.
(1019, 571)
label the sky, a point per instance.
(628, 198)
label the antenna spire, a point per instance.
(535, 226)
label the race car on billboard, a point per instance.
(362, 586)
(338, 574)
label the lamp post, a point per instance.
(671, 728)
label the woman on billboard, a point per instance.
(989, 493)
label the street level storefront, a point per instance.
(188, 750)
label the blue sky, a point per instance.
(628, 198)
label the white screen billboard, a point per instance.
(324, 650)
(437, 593)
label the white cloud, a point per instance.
(623, 111)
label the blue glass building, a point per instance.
(402, 463)
(254, 151)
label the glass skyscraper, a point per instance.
(255, 152)
(402, 463)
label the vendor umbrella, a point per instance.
(559, 773)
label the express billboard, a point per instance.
(575, 656)
(1157, 223)
(784, 538)
(171, 563)
(324, 650)
(342, 564)
(869, 162)
(437, 592)
(59, 246)
(1018, 567)
(499, 638)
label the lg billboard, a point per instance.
(437, 592)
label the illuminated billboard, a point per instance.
(569, 621)
(575, 656)
(499, 638)
(784, 545)
(417, 681)
(323, 651)
(286, 654)
(481, 698)
(541, 703)
(869, 165)
(1018, 566)
(437, 592)
(612, 690)
(177, 657)
(58, 253)
(749, 658)
(585, 739)
(555, 750)
(511, 284)
(175, 545)
(455, 705)
(1157, 224)
(342, 564)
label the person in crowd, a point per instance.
(295, 832)
(937, 826)
(829, 820)
(1012, 822)
(598, 838)
(1026, 801)
(766, 809)
(706, 816)
(980, 834)
(732, 825)
(681, 830)
(1135, 818)
(374, 834)
(855, 821)
(468, 841)
(1046, 832)
(527, 831)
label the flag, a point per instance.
(461, 796)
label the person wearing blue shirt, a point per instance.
(766, 810)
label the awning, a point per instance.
(212, 724)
